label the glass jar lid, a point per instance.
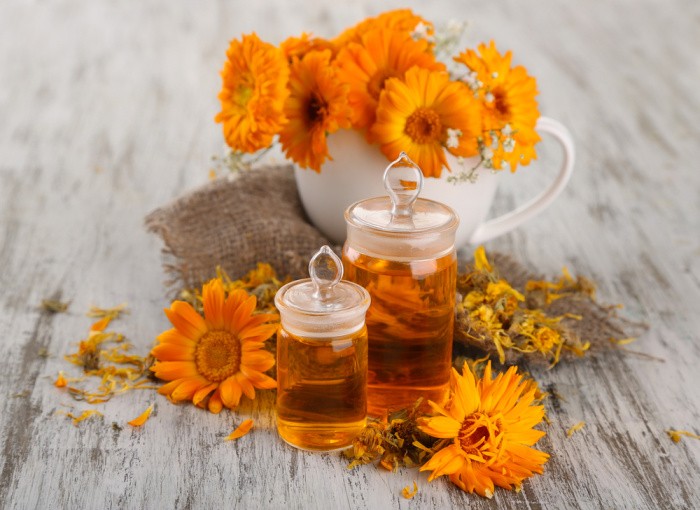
(323, 304)
(401, 221)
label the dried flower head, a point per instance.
(498, 317)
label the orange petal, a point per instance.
(259, 333)
(186, 320)
(173, 336)
(241, 431)
(246, 386)
(168, 388)
(171, 370)
(60, 381)
(202, 393)
(230, 392)
(259, 356)
(233, 302)
(258, 379)
(249, 346)
(101, 324)
(441, 426)
(137, 422)
(261, 318)
(242, 314)
(215, 403)
(213, 299)
(187, 389)
(173, 352)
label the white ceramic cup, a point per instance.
(356, 171)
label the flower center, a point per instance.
(243, 95)
(218, 355)
(316, 109)
(424, 126)
(376, 82)
(480, 436)
(500, 103)
(244, 91)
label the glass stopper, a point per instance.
(403, 180)
(325, 270)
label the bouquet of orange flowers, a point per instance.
(386, 78)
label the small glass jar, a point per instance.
(401, 248)
(322, 357)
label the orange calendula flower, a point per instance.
(509, 106)
(142, 418)
(491, 422)
(300, 46)
(220, 355)
(241, 431)
(382, 54)
(253, 94)
(399, 20)
(317, 106)
(415, 114)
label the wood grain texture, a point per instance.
(106, 112)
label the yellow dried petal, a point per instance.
(83, 416)
(141, 419)
(574, 428)
(676, 435)
(480, 260)
(623, 341)
(407, 493)
(112, 313)
(241, 431)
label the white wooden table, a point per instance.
(106, 111)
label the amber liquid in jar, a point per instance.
(321, 389)
(410, 322)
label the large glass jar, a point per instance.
(401, 249)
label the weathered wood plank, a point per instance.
(106, 114)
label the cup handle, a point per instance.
(506, 222)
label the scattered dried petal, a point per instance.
(60, 380)
(241, 431)
(54, 306)
(407, 493)
(100, 325)
(575, 428)
(623, 341)
(676, 435)
(83, 416)
(112, 313)
(142, 418)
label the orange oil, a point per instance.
(410, 323)
(321, 389)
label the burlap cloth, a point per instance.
(258, 217)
